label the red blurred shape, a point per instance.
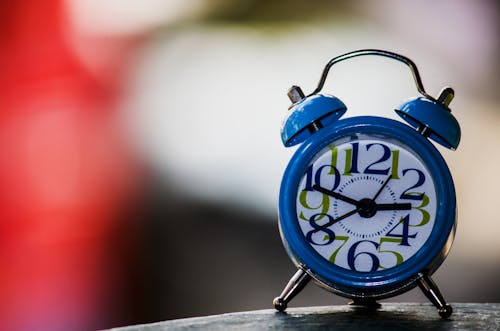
(65, 172)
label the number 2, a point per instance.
(420, 181)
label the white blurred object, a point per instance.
(208, 103)
(462, 35)
(125, 17)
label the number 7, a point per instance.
(334, 254)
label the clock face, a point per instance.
(366, 203)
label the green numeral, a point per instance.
(324, 205)
(334, 159)
(347, 163)
(425, 214)
(334, 254)
(395, 164)
(399, 257)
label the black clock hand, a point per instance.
(366, 207)
(336, 195)
(382, 187)
(389, 206)
(393, 206)
(338, 219)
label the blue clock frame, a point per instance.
(381, 283)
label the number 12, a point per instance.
(352, 160)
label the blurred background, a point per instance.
(140, 151)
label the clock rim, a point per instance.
(380, 283)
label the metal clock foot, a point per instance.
(432, 292)
(368, 303)
(294, 286)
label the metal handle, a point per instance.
(362, 52)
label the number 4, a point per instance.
(405, 221)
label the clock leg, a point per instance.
(294, 286)
(432, 292)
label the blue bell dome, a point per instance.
(433, 119)
(309, 115)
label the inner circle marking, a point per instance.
(345, 226)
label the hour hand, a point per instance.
(335, 195)
(393, 206)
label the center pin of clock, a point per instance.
(368, 208)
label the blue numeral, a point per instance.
(352, 255)
(385, 156)
(421, 180)
(317, 177)
(405, 222)
(329, 234)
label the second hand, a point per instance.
(338, 219)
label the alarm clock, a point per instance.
(367, 205)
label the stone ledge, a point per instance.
(391, 316)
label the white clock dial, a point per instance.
(366, 203)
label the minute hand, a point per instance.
(336, 195)
(393, 206)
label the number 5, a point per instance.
(399, 257)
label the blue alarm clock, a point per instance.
(367, 205)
